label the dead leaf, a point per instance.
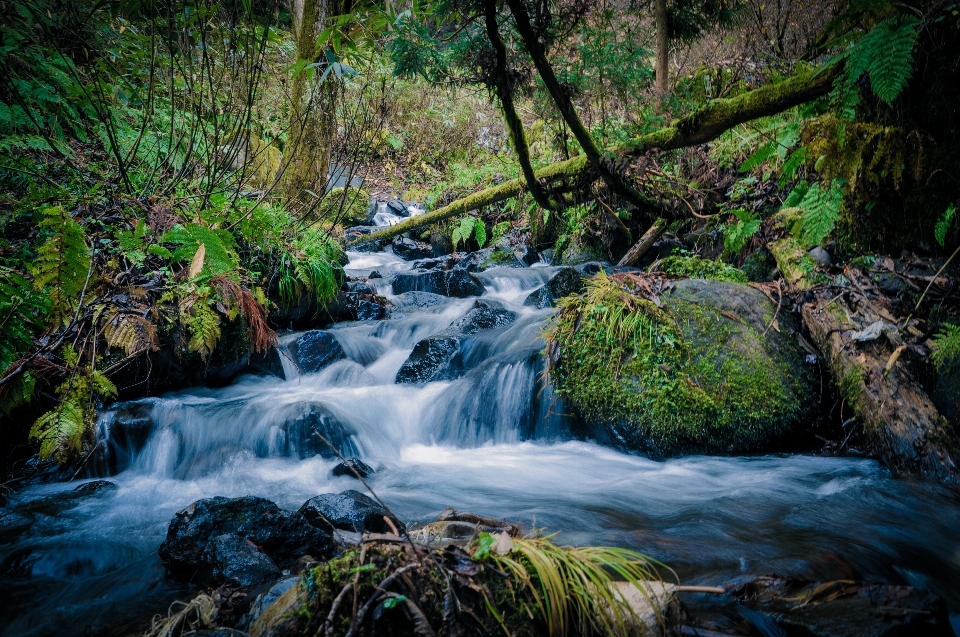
(197, 264)
(733, 317)
(503, 545)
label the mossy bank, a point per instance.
(688, 366)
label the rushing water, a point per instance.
(488, 442)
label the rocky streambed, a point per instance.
(442, 391)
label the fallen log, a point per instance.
(697, 128)
(900, 422)
(642, 246)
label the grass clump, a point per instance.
(697, 268)
(681, 377)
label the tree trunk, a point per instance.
(663, 46)
(698, 128)
(306, 158)
(642, 246)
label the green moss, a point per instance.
(697, 268)
(500, 256)
(348, 207)
(676, 379)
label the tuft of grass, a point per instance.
(573, 587)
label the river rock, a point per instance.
(233, 557)
(316, 349)
(309, 417)
(266, 363)
(95, 487)
(264, 600)
(455, 283)
(12, 524)
(410, 250)
(434, 358)
(351, 467)
(565, 282)
(348, 511)
(840, 608)
(124, 431)
(708, 374)
(282, 536)
(370, 311)
(413, 301)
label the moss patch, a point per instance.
(688, 377)
(697, 268)
(348, 207)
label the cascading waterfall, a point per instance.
(490, 438)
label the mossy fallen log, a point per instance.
(698, 128)
(900, 422)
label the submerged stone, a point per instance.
(565, 282)
(316, 349)
(712, 369)
(351, 467)
(456, 283)
(12, 524)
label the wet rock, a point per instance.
(434, 358)
(397, 207)
(314, 350)
(370, 311)
(309, 418)
(351, 467)
(124, 430)
(360, 287)
(504, 257)
(410, 250)
(95, 487)
(376, 245)
(441, 243)
(12, 524)
(375, 275)
(307, 313)
(282, 536)
(262, 601)
(841, 608)
(760, 266)
(566, 281)
(476, 261)
(526, 254)
(218, 632)
(349, 511)
(233, 557)
(412, 301)
(455, 283)
(266, 363)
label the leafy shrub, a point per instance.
(947, 354)
(469, 226)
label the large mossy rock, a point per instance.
(672, 367)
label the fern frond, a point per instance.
(131, 332)
(204, 327)
(63, 260)
(60, 431)
(17, 393)
(821, 211)
(885, 55)
(943, 225)
(22, 313)
(220, 247)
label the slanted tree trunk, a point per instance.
(643, 246)
(663, 45)
(698, 128)
(306, 158)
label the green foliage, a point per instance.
(23, 311)
(18, 392)
(469, 226)
(820, 208)
(134, 244)
(220, 247)
(204, 326)
(946, 356)
(499, 231)
(573, 588)
(885, 55)
(737, 235)
(697, 268)
(63, 261)
(61, 430)
(345, 206)
(943, 225)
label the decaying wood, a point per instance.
(700, 127)
(642, 246)
(901, 424)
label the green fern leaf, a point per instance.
(480, 231)
(23, 310)
(63, 260)
(204, 326)
(221, 252)
(60, 431)
(885, 55)
(821, 211)
(943, 225)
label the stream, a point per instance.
(489, 442)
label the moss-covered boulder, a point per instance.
(670, 367)
(346, 206)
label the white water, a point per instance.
(488, 442)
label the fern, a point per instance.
(63, 261)
(736, 236)
(943, 225)
(467, 227)
(885, 55)
(22, 313)
(18, 392)
(820, 212)
(133, 243)
(221, 252)
(131, 332)
(204, 326)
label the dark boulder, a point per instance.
(282, 536)
(266, 363)
(397, 207)
(305, 421)
(12, 524)
(352, 467)
(375, 275)
(526, 254)
(370, 311)
(441, 243)
(413, 301)
(456, 283)
(95, 487)
(565, 282)
(233, 557)
(124, 429)
(314, 350)
(435, 358)
(410, 250)
(347, 511)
